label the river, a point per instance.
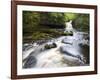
(69, 51)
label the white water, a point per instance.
(54, 57)
(69, 26)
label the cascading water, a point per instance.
(69, 51)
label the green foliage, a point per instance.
(44, 25)
(70, 16)
(81, 22)
(53, 19)
(30, 21)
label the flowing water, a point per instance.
(70, 51)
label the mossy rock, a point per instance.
(30, 62)
(68, 33)
(49, 46)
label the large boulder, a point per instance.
(27, 46)
(66, 51)
(74, 54)
(68, 40)
(30, 62)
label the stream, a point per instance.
(68, 51)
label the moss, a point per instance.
(67, 33)
(40, 36)
(44, 34)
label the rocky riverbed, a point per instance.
(64, 51)
(60, 52)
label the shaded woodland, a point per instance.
(48, 25)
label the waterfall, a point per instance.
(69, 27)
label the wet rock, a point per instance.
(64, 50)
(27, 46)
(50, 45)
(86, 36)
(67, 41)
(84, 43)
(68, 33)
(40, 42)
(30, 62)
(85, 51)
